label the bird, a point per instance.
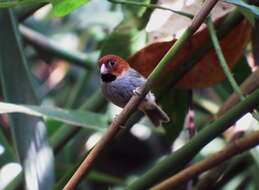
(119, 82)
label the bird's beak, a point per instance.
(104, 70)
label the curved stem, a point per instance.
(152, 6)
(132, 105)
(228, 152)
(222, 59)
(174, 162)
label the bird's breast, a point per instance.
(117, 93)
(121, 89)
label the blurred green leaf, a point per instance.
(78, 118)
(135, 10)
(14, 184)
(241, 71)
(125, 40)
(64, 7)
(254, 171)
(93, 176)
(52, 125)
(6, 4)
(175, 104)
(29, 133)
(129, 36)
(103, 177)
(249, 16)
(253, 9)
(7, 154)
(95, 102)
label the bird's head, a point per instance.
(111, 67)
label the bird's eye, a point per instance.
(111, 63)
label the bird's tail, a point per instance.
(156, 115)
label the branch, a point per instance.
(247, 87)
(43, 43)
(175, 161)
(228, 152)
(132, 105)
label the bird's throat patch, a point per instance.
(108, 77)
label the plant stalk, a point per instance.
(132, 105)
(228, 152)
(222, 59)
(174, 162)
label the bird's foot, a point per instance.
(148, 97)
(136, 91)
(115, 119)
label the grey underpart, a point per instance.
(123, 88)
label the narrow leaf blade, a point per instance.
(64, 7)
(29, 133)
(78, 118)
(253, 9)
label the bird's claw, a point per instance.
(122, 127)
(115, 119)
(136, 91)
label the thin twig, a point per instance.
(152, 6)
(132, 105)
(228, 152)
(174, 162)
(247, 87)
(222, 59)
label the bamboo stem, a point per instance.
(132, 105)
(228, 152)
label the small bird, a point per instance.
(120, 82)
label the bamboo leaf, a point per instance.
(253, 9)
(125, 35)
(64, 7)
(8, 4)
(177, 109)
(78, 118)
(136, 10)
(29, 133)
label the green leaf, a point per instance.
(248, 15)
(64, 7)
(8, 4)
(93, 103)
(29, 133)
(125, 40)
(93, 176)
(8, 154)
(135, 10)
(175, 104)
(241, 71)
(129, 36)
(14, 184)
(253, 9)
(78, 118)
